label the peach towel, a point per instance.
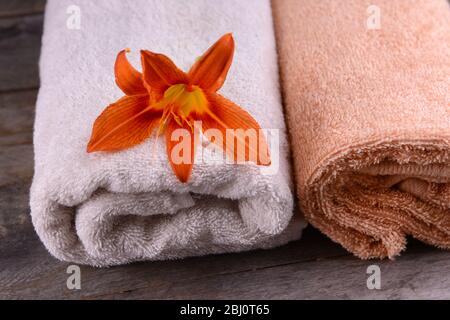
(368, 106)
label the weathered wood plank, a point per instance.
(16, 164)
(414, 276)
(20, 41)
(17, 117)
(37, 275)
(13, 8)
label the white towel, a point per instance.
(113, 208)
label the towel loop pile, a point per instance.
(113, 208)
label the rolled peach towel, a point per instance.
(367, 92)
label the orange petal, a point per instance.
(160, 72)
(180, 145)
(210, 71)
(247, 144)
(128, 79)
(123, 124)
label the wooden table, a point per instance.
(311, 268)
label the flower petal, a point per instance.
(246, 144)
(160, 72)
(123, 124)
(180, 138)
(128, 79)
(210, 71)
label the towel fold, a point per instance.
(113, 208)
(367, 91)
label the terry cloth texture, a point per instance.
(369, 117)
(113, 208)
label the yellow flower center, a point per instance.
(183, 100)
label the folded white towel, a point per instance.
(113, 208)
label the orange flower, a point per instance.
(167, 98)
